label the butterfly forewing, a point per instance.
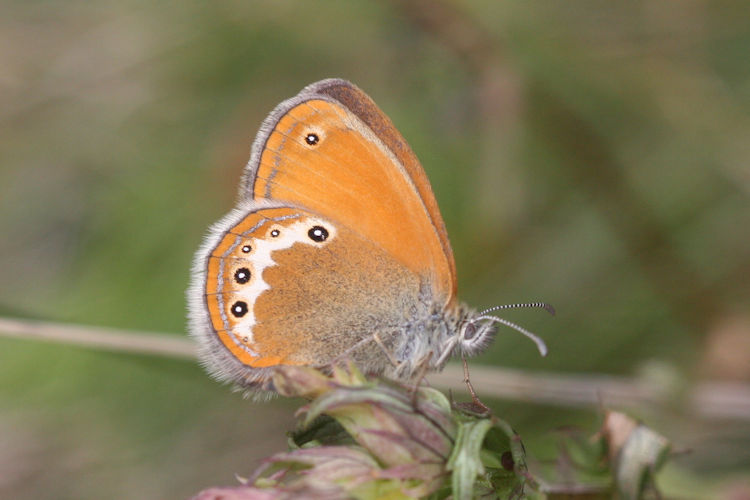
(318, 154)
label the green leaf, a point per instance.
(465, 461)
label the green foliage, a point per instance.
(386, 441)
(371, 439)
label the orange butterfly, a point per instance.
(336, 249)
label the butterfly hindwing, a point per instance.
(282, 285)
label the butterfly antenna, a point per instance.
(541, 305)
(538, 341)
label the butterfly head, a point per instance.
(474, 335)
(477, 329)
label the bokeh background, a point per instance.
(593, 155)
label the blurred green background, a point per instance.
(593, 155)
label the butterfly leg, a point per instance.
(396, 363)
(362, 344)
(475, 399)
(420, 374)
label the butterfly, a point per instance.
(335, 250)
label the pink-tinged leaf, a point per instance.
(347, 456)
(299, 381)
(349, 375)
(240, 493)
(383, 445)
(426, 432)
(424, 471)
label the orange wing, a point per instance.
(278, 293)
(331, 150)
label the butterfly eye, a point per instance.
(312, 139)
(242, 275)
(318, 233)
(469, 331)
(239, 309)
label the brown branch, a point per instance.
(715, 400)
(108, 339)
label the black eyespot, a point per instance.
(239, 309)
(318, 233)
(275, 233)
(312, 139)
(470, 331)
(246, 249)
(242, 275)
